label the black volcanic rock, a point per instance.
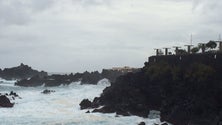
(76, 77)
(46, 91)
(53, 80)
(56, 80)
(13, 94)
(111, 74)
(85, 78)
(20, 72)
(91, 78)
(5, 102)
(186, 89)
(85, 104)
(32, 82)
(142, 123)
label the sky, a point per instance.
(80, 35)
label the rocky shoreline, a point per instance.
(28, 77)
(84, 78)
(186, 89)
(6, 97)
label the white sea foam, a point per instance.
(60, 107)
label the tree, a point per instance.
(202, 46)
(181, 51)
(195, 49)
(211, 45)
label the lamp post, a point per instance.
(166, 51)
(188, 48)
(176, 49)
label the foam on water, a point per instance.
(60, 107)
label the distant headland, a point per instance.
(26, 76)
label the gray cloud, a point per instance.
(19, 12)
(78, 35)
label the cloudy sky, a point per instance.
(79, 35)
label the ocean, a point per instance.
(59, 108)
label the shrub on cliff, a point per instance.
(198, 72)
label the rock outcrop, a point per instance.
(91, 78)
(186, 89)
(142, 123)
(5, 102)
(112, 74)
(20, 72)
(47, 91)
(85, 78)
(85, 104)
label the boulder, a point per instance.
(32, 82)
(85, 104)
(164, 124)
(5, 102)
(48, 91)
(13, 94)
(142, 123)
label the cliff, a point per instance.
(187, 89)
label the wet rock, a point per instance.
(164, 124)
(13, 94)
(85, 104)
(91, 78)
(48, 91)
(142, 123)
(105, 109)
(32, 82)
(58, 79)
(5, 102)
(20, 72)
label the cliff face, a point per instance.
(187, 89)
(20, 72)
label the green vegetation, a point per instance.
(211, 45)
(181, 51)
(195, 50)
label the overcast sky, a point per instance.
(79, 35)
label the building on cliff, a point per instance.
(210, 47)
(124, 69)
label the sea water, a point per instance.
(60, 107)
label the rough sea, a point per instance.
(59, 108)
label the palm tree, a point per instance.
(211, 45)
(195, 49)
(202, 46)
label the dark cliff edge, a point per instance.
(20, 72)
(187, 89)
(85, 78)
